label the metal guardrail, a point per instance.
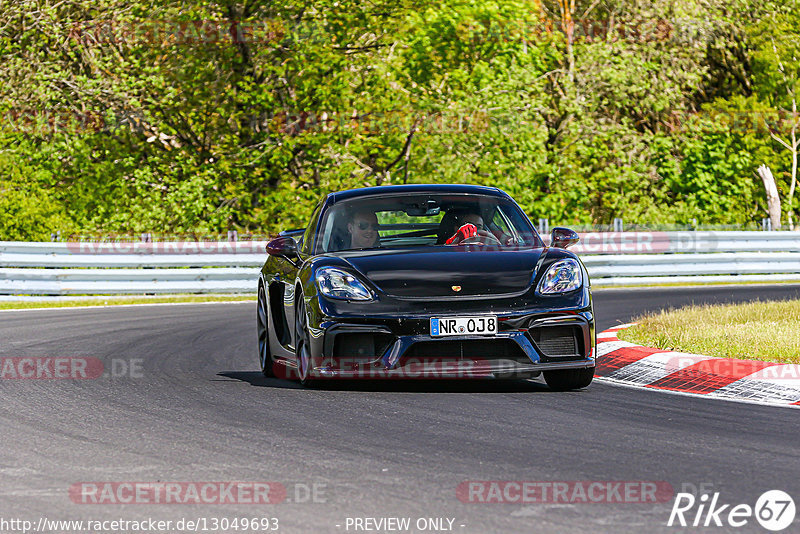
(80, 268)
(675, 242)
(612, 259)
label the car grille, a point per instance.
(480, 349)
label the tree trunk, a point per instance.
(792, 187)
(795, 145)
(567, 9)
(773, 200)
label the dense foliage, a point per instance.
(124, 116)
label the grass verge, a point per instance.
(767, 331)
(111, 301)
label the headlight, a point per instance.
(338, 284)
(562, 276)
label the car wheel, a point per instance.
(303, 345)
(264, 354)
(567, 379)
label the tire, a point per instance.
(262, 317)
(568, 379)
(303, 344)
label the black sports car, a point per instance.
(425, 281)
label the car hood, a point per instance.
(447, 272)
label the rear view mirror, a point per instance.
(285, 247)
(424, 209)
(563, 237)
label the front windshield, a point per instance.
(425, 220)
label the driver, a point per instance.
(474, 219)
(363, 229)
(469, 224)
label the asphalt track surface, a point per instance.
(199, 410)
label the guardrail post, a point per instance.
(766, 225)
(618, 227)
(233, 235)
(147, 237)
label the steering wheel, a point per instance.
(482, 238)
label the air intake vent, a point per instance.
(361, 347)
(557, 341)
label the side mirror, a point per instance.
(563, 237)
(285, 247)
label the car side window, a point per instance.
(308, 236)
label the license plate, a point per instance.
(463, 326)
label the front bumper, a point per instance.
(527, 343)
